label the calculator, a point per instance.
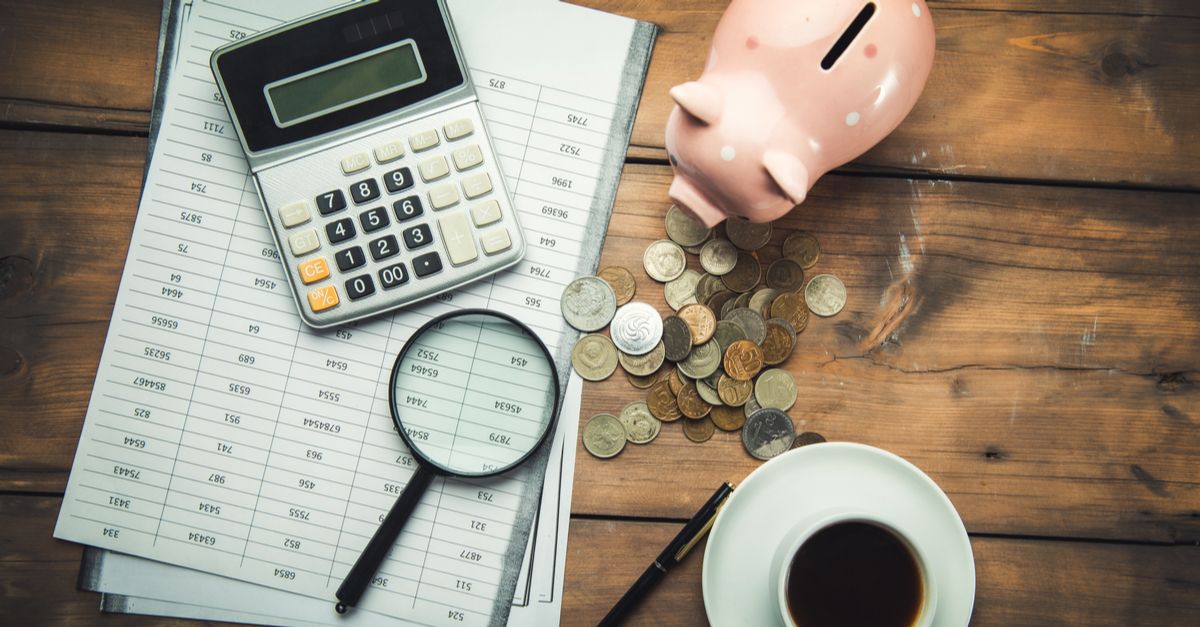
(364, 137)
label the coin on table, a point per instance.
(702, 361)
(621, 281)
(806, 438)
(594, 357)
(698, 430)
(641, 382)
(775, 388)
(785, 275)
(747, 235)
(690, 403)
(661, 402)
(642, 365)
(664, 260)
(825, 295)
(640, 425)
(779, 343)
(767, 433)
(751, 406)
(700, 320)
(803, 248)
(682, 290)
(707, 286)
(718, 256)
(743, 360)
(733, 392)
(684, 229)
(727, 333)
(588, 303)
(636, 328)
(751, 323)
(744, 275)
(719, 298)
(707, 392)
(677, 338)
(741, 302)
(790, 306)
(604, 436)
(761, 300)
(727, 418)
(676, 381)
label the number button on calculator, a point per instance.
(360, 286)
(350, 258)
(374, 219)
(408, 208)
(398, 180)
(392, 276)
(340, 231)
(417, 236)
(384, 247)
(331, 202)
(364, 191)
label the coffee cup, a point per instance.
(852, 568)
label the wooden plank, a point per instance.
(1114, 100)
(1034, 349)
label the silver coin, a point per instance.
(640, 425)
(751, 406)
(767, 433)
(664, 260)
(594, 357)
(825, 295)
(727, 333)
(588, 303)
(604, 436)
(702, 361)
(708, 392)
(775, 388)
(643, 365)
(763, 299)
(751, 322)
(682, 291)
(636, 328)
(684, 229)
(718, 257)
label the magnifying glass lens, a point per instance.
(474, 394)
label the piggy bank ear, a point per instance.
(789, 173)
(700, 100)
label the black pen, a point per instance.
(691, 534)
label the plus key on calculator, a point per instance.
(365, 139)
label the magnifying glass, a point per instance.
(473, 393)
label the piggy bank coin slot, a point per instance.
(852, 31)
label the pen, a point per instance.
(691, 534)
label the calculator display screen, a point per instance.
(345, 83)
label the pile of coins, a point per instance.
(732, 324)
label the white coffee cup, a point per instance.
(792, 541)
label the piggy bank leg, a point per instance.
(789, 173)
(692, 200)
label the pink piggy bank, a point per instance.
(791, 90)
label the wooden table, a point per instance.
(1022, 257)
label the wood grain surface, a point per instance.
(1023, 320)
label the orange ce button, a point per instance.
(314, 270)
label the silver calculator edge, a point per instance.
(263, 160)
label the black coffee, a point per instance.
(853, 574)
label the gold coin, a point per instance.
(604, 436)
(743, 360)
(690, 403)
(594, 357)
(718, 256)
(641, 382)
(734, 392)
(684, 229)
(744, 275)
(806, 438)
(676, 381)
(785, 275)
(621, 281)
(775, 388)
(641, 426)
(779, 343)
(682, 290)
(727, 418)
(791, 307)
(747, 235)
(643, 365)
(803, 248)
(698, 430)
(661, 402)
(700, 321)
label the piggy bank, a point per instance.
(791, 90)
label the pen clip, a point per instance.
(683, 551)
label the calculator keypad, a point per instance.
(428, 216)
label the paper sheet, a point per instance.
(225, 436)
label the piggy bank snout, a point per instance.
(688, 197)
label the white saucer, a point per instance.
(821, 478)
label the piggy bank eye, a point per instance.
(852, 31)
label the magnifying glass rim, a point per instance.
(408, 344)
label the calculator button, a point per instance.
(360, 286)
(356, 163)
(433, 168)
(323, 298)
(427, 264)
(392, 276)
(314, 270)
(443, 196)
(467, 157)
(458, 129)
(294, 214)
(477, 185)
(456, 234)
(304, 242)
(341, 230)
(486, 213)
(417, 236)
(423, 140)
(389, 151)
(364, 191)
(384, 247)
(350, 258)
(495, 240)
(330, 202)
(374, 219)
(407, 208)
(398, 180)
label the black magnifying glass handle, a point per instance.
(368, 562)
